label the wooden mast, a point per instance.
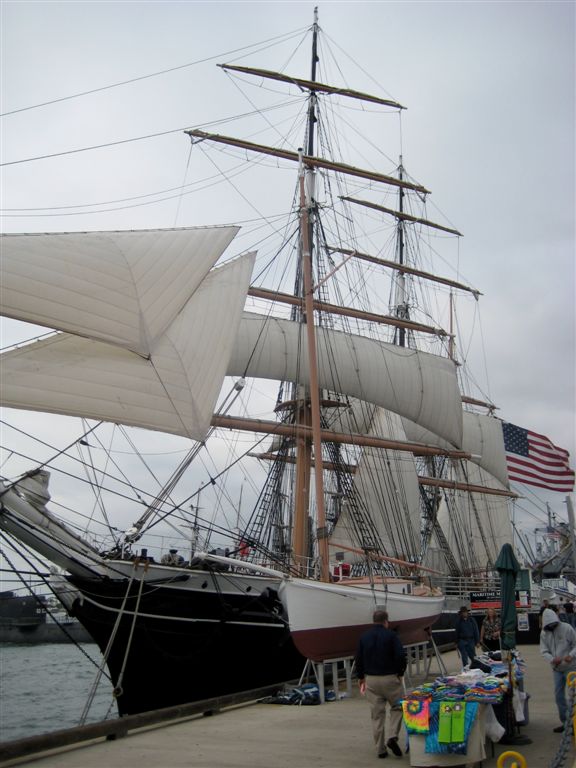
(314, 391)
(402, 300)
(307, 203)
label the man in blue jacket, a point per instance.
(380, 665)
(467, 635)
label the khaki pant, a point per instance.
(382, 690)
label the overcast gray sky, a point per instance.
(490, 129)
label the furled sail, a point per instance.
(482, 438)
(386, 483)
(174, 391)
(417, 385)
(25, 516)
(123, 288)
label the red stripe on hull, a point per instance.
(339, 642)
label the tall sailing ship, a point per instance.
(372, 446)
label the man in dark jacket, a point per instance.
(467, 635)
(380, 664)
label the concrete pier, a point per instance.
(332, 735)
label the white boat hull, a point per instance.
(326, 620)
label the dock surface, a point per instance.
(333, 735)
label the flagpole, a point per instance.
(570, 508)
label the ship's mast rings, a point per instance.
(313, 363)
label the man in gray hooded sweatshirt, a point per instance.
(558, 647)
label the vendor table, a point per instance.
(475, 753)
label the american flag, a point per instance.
(533, 459)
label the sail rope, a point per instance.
(96, 487)
(253, 48)
(164, 495)
(106, 653)
(42, 577)
(47, 462)
(118, 690)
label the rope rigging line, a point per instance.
(118, 690)
(283, 37)
(156, 135)
(106, 653)
(47, 461)
(96, 487)
(284, 136)
(21, 553)
(210, 482)
(175, 508)
(154, 507)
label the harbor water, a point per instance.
(45, 687)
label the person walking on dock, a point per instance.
(380, 665)
(467, 635)
(558, 647)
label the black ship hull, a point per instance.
(169, 644)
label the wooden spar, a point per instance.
(311, 85)
(352, 438)
(321, 306)
(326, 465)
(375, 556)
(401, 216)
(435, 481)
(287, 405)
(404, 268)
(309, 162)
(439, 483)
(314, 389)
(481, 403)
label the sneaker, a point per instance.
(383, 754)
(392, 745)
(559, 729)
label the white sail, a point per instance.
(475, 525)
(414, 384)
(123, 288)
(174, 391)
(387, 484)
(482, 437)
